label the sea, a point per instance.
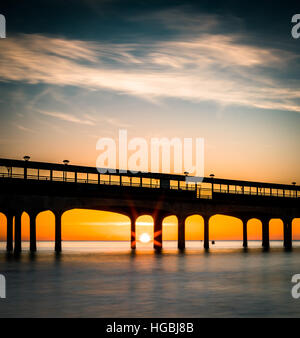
(107, 279)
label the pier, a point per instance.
(34, 187)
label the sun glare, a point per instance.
(145, 238)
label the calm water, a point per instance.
(104, 279)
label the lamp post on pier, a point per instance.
(26, 158)
(65, 162)
(212, 182)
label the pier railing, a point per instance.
(27, 170)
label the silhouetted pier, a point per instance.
(34, 187)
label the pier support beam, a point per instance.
(9, 233)
(265, 233)
(287, 227)
(245, 234)
(32, 216)
(133, 233)
(206, 232)
(181, 232)
(18, 233)
(58, 231)
(157, 238)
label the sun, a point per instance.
(145, 238)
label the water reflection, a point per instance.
(92, 279)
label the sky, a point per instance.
(227, 71)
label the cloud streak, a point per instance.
(205, 68)
(69, 118)
(22, 128)
(123, 223)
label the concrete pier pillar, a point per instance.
(206, 232)
(181, 232)
(133, 233)
(288, 241)
(9, 233)
(265, 233)
(32, 216)
(157, 238)
(18, 233)
(58, 231)
(245, 234)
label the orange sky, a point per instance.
(101, 225)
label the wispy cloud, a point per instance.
(69, 117)
(123, 223)
(22, 128)
(208, 67)
(106, 223)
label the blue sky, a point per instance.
(71, 72)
